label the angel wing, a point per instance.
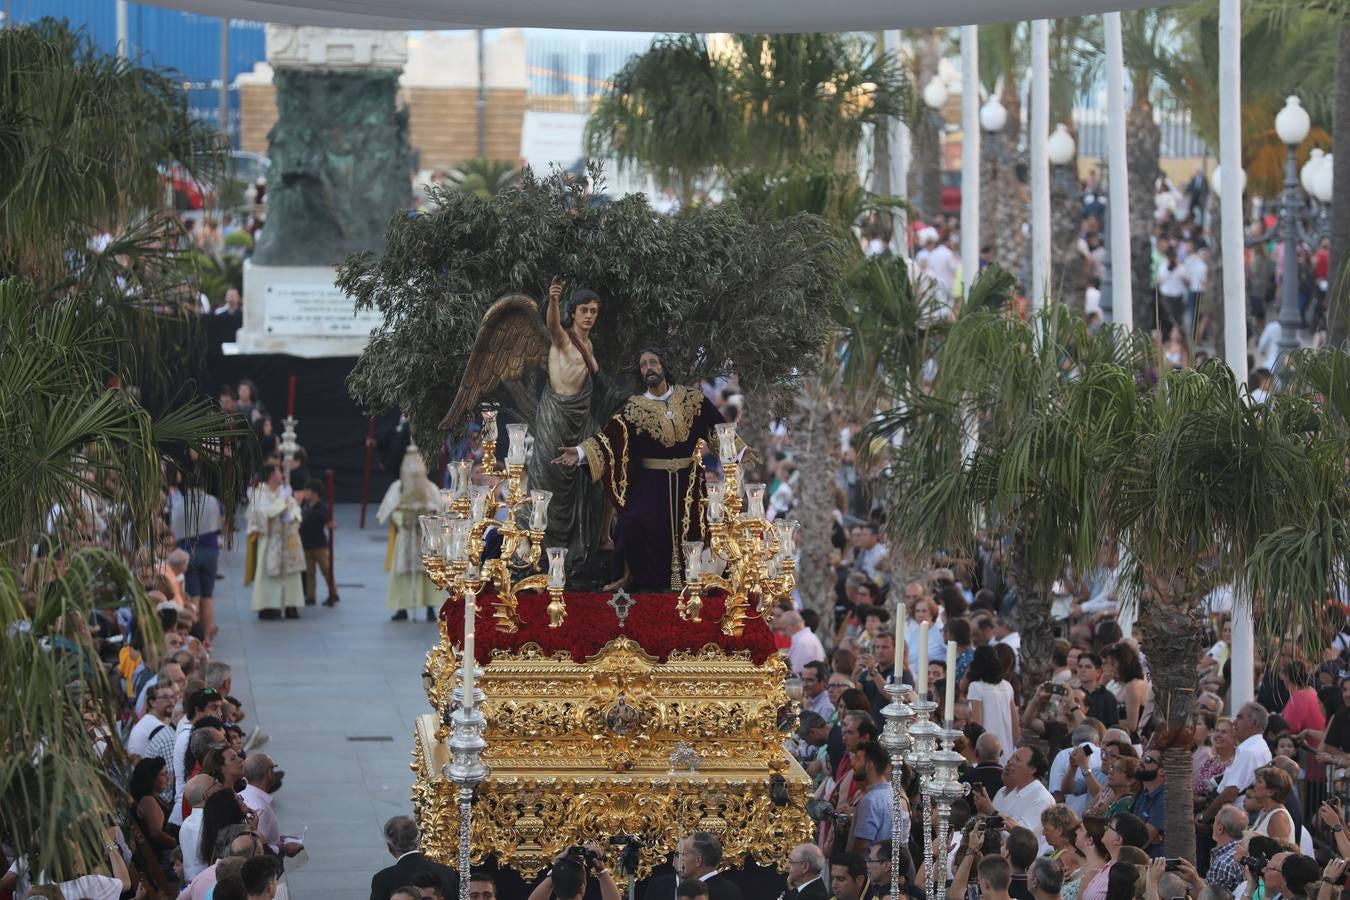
(511, 341)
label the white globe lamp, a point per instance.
(935, 93)
(1060, 146)
(1216, 180)
(993, 115)
(1292, 124)
(1308, 173)
(1322, 180)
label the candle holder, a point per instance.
(457, 564)
(466, 767)
(760, 555)
(288, 445)
(923, 733)
(896, 741)
(944, 787)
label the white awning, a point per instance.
(648, 15)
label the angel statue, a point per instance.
(510, 354)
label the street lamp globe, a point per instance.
(1308, 173)
(935, 93)
(993, 115)
(1292, 124)
(1322, 180)
(1060, 146)
(1216, 180)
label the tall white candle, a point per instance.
(950, 698)
(922, 674)
(468, 649)
(899, 640)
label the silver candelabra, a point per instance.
(911, 736)
(896, 741)
(466, 767)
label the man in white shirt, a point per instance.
(201, 704)
(158, 714)
(169, 673)
(805, 645)
(1252, 754)
(815, 696)
(190, 832)
(1066, 779)
(1023, 797)
(261, 774)
(1006, 633)
(943, 263)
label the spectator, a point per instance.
(1224, 871)
(401, 839)
(992, 705)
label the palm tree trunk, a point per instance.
(925, 176)
(1338, 315)
(1173, 638)
(816, 434)
(1068, 277)
(1142, 146)
(1004, 196)
(1034, 623)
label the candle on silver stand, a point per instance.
(466, 767)
(895, 740)
(943, 786)
(923, 735)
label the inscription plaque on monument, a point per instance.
(315, 309)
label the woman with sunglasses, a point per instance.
(1123, 830)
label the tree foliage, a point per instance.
(691, 113)
(713, 288)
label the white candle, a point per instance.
(899, 640)
(468, 649)
(950, 698)
(922, 674)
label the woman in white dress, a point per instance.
(992, 704)
(274, 518)
(413, 495)
(1268, 792)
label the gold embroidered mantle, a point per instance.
(650, 415)
(580, 750)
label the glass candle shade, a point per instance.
(448, 494)
(431, 534)
(515, 451)
(715, 495)
(693, 560)
(462, 473)
(478, 498)
(457, 540)
(754, 501)
(557, 567)
(787, 538)
(539, 509)
(726, 441)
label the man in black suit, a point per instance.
(986, 773)
(700, 854)
(401, 837)
(806, 874)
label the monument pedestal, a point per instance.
(299, 311)
(341, 168)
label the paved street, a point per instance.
(338, 692)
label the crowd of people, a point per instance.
(1066, 775)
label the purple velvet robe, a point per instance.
(658, 508)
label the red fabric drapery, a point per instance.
(591, 623)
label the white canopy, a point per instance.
(648, 15)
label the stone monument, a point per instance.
(341, 167)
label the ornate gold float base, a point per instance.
(525, 817)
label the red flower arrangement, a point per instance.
(591, 623)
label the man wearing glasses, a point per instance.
(1148, 803)
(805, 865)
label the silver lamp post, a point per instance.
(896, 741)
(1292, 125)
(944, 787)
(466, 767)
(923, 735)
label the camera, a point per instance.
(819, 810)
(1172, 864)
(1057, 689)
(631, 854)
(583, 855)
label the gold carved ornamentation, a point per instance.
(582, 751)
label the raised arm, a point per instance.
(553, 317)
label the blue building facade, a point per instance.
(186, 43)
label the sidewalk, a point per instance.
(338, 692)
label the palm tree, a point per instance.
(1002, 436)
(86, 137)
(691, 114)
(484, 177)
(1075, 60)
(925, 174)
